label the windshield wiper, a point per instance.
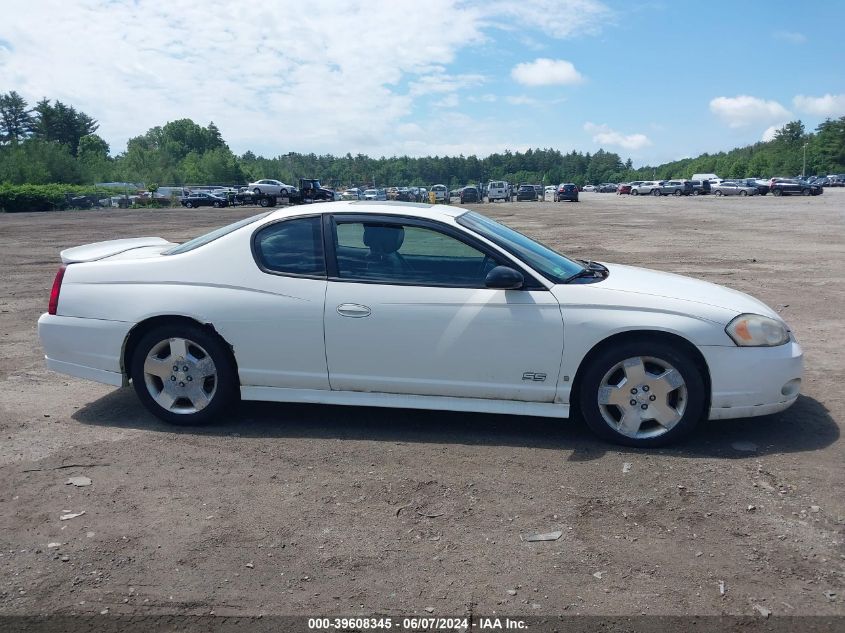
(591, 269)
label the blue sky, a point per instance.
(655, 81)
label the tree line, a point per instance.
(53, 142)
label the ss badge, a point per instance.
(533, 375)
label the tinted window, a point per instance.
(292, 246)
(407, 254)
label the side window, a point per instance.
(292, 246)
(408, 254)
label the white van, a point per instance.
(497, 190)
(710, 177)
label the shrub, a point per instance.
(22, 198)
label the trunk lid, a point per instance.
(135, 247)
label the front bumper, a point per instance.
(752, 381)
(85, 348)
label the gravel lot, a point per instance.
(327, 510)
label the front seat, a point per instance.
(384, 242)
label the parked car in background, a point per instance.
(625, 187)
(700, 187)
(732, 188)
(607, 187)
(566, 191)
(761, 185)
(352, 193)
(526, 192)
(375, 194)
(539, 190)
(647, 187)
(794, 187)
(498, 190)
(441, 194)
(203, 199)
(710, 177)
(676, 188)
(272, 187)
(469, 194)
(589, 188)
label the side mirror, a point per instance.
(504, 278)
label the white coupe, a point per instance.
(410, 305)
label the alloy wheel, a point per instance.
(180, 376)
(642, 397)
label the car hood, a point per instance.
(632, 286)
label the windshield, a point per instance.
(541, 258)
(215, 234)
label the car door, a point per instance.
(407, 312)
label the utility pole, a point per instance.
(804, 165)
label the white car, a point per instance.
(590, 188)
(375, 194)
(648, 187)
(352, 193)
(414, 306)
(271, 187)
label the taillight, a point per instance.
(54, 292)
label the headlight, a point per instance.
(754, 330)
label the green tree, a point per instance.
(16, 120)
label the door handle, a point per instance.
(354, 310)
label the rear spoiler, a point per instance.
(101, 250)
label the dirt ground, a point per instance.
(320, 510)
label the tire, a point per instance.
(696, 192)
(196, 395)
(719, 192)
(684, 391)
(743, 193)
(655, 192)
(806, 192)
(216, 205)
(264, 202)
(677, 192)
(284, 193)
(777, 192)
(634, 192)
(256, 191)
(190, 205)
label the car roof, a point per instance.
(389, 207)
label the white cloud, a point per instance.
(769, 132)
(556, 18)
(546, 72)
(825, 106)
(793, 37)
(743, 110)
(603, 135)
(274, 78)
(449, 101)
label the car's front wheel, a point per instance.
(642, 393)
(634, 192)
(777, 192)
(183, 374)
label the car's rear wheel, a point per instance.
(257, 191)
(183, 374)
(696, 192)
(677, 192)
(189, 204)
(642, 393)
(655, 192)
(743, 193)
(777, 192)
(718, 192)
